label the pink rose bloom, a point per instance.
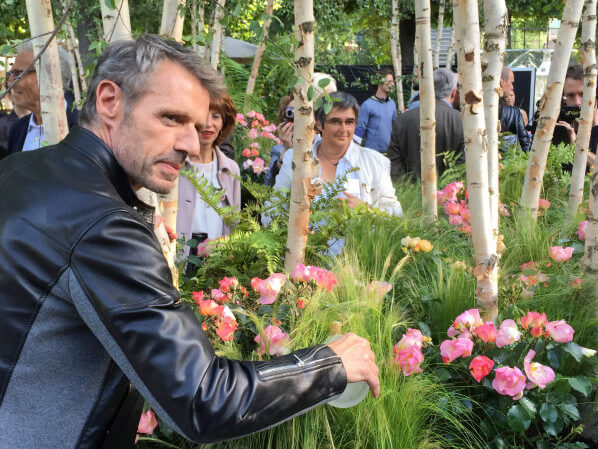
(507, 334)
(581, 231)
(409, 359)
(560, 331)
(270, 128)
(487, 332)
(246, 152)
(209, 307)
(255, 145)
(453, 349)
(273, 340)
(259, 166)
(239, 117)
(248, 163)
(147, 422)
(509, 382)
(543, 204)
(464, 212)
(269, 288)
(379, 288)
(259, 116)
(560, 254)
(203, 249)
(217, 295)
(536, 321)
(465, 228)
(253, 133)
(413, 337)
(440, 197)
(226, 327)
(255, 152)
(502, 210)
(251, 114)
(451, 192)
(226, 284)
(470, 319)
(452, 208)
(324, 278)
(198, 296)
(537, 373)
(301, 274)
(455, 220)
(480, 367)
(244, 123)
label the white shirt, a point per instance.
(371, 183)
(205, 218)
(35, 134)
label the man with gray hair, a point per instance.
(90, 315)
(404, 147)
(27, 133)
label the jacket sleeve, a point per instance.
(285, 175)
(522, 134)
(121, 287)
(397, 163)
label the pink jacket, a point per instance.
(188, 196)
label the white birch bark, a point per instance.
(257, 59)
(395, 48)
(590, 257)
(73, 67)
(451, 49)
(415, 65)
(467, 34)
(197, 26)
(495, 36)
(549, 107)
(116, 22)
(304, 166)
(427, 109)
(51, 92)
(173, 17)
(217, 35)
(81, 69)
(582, 143)
(439, 29)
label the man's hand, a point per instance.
(359, 360)
(285, 132)
(570, 131)
(351, 200)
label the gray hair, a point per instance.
(63, 56)
(130, 64)
(340, 100)
(444, 82)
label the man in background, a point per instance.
(376, 115)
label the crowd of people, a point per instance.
(91, 265)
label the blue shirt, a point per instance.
(375, 123)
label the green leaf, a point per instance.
(575, 350)
(424, 328)
(111, 4)
(442, 374)
(327, 107)
(548, 413)
(570, 410)
(529, 406)
(540, 347)
(554, 358)
(554, 428)
(518, 419)
(323, 82)
(318, 103)
(581, 384)
(310, 93)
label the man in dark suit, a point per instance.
(404, 147)
(27, 133)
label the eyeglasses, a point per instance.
(337, 122)
(16, 73)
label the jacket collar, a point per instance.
(91, 146)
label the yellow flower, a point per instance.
(425, 246)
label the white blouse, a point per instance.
(205, 218)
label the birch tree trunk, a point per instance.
(590, 258)
(81, 70)
(550, 105)
(73, 67)
(427, 109)
(588, 57)
(439, 29)
(495, 35)
(217, 33)
(51, 92)
(467, 33)
(257, 59)
(197, 27)
(451, 50)
(304, 166)
(116, 22)
(173, 17)
(395, 48)
(415, 65)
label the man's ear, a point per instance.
(109, 103)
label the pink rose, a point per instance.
(581, 231)
(379, 288)
(507, 334)
(537, 373)
(503, 210)
(543, 204)
(226, 284)
(217, 295)
(239, 117)
(413, 337)
(455, 220)
(466, 229)
(246, 152)
(486, 332)
(248, 163)
(451, 191)
(452, 208)
(464, 212)
(509, 382)
(269, 288)
(440, 197)
(560, 254)
(453, 349)
(273, 340)
(254, 145)
(324, 278)
(301, 274)
(536, 321)
(470, 319)
(226, 326)
(560, 331)
(147, 422)
(203, 249)
(253, 133)
(409, 359)
(480, 367)
(209, 307)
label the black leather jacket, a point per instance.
(88, 305)
(511, 121)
